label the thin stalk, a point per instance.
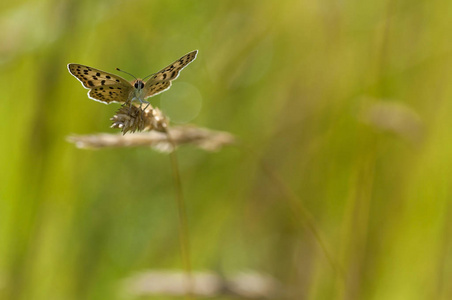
(300, 212)
(182, 212)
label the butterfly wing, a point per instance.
(110, 93)
(156, 88)
(104, 87)
(161, 81)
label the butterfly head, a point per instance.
(138, 84)
(138, 93)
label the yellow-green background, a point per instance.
(291, 79)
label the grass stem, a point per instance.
(183, 223)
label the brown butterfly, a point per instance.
(107, 88)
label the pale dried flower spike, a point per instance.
(133, 118)
(203, 138)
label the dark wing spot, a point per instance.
(117, 80)
(108, 77)
(102, 82)
(97, 74)
(173, 74)
(111, 88)
(90, 83)
(164, 76)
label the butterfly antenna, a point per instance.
(126, 73)
(149, 76)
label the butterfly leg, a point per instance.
(129, 104)
(147, 104)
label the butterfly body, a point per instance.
(107, 87)
(138, 91)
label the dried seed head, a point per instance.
(134, 118)
(158, 120)
(203, 138)
(245, 285)
(394, 117)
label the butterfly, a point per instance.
(107, 88)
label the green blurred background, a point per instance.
(348, 102)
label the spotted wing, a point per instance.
(104, 87)
(161, 80)
(110, 93)
(156, 88)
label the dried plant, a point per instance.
(157, 133)
(203, 138)
(250, 285)
(397, 118)
(133, 118)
